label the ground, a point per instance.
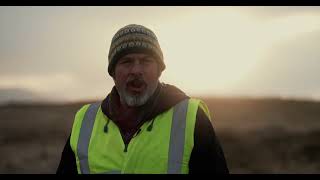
(257, 135)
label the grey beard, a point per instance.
(136, 100)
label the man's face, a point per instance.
(136, 78)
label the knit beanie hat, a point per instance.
(134, 38)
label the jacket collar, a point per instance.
(164, 97)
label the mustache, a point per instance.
(136, 79)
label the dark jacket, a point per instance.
(207, 155)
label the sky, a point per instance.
(60, 53)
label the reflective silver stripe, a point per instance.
(113, 172)
(85, 135)
(177, 136)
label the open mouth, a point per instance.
(136, 86)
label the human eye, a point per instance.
(148, 60)
(125, 61)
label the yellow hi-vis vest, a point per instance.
(166, 148)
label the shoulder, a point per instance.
(203, 122)
(79, 115)
(77, 124)
(82, 110)
(202, 109)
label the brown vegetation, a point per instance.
(257, 135)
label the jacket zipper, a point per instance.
(125, 148)
(127, 144)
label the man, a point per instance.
(142, 126)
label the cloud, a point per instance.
(290, 68)
(62, 51)
(271, 12)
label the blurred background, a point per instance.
(257, 68)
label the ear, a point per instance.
(159, 70)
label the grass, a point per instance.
(257, 135)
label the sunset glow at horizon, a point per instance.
(61, 52)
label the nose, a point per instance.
(137, 67)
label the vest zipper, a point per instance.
(125, 148)
(126, 145)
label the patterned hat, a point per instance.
(134, 38)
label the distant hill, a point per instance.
(18, 95)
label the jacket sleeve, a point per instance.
(207, 155)
(67, 163)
